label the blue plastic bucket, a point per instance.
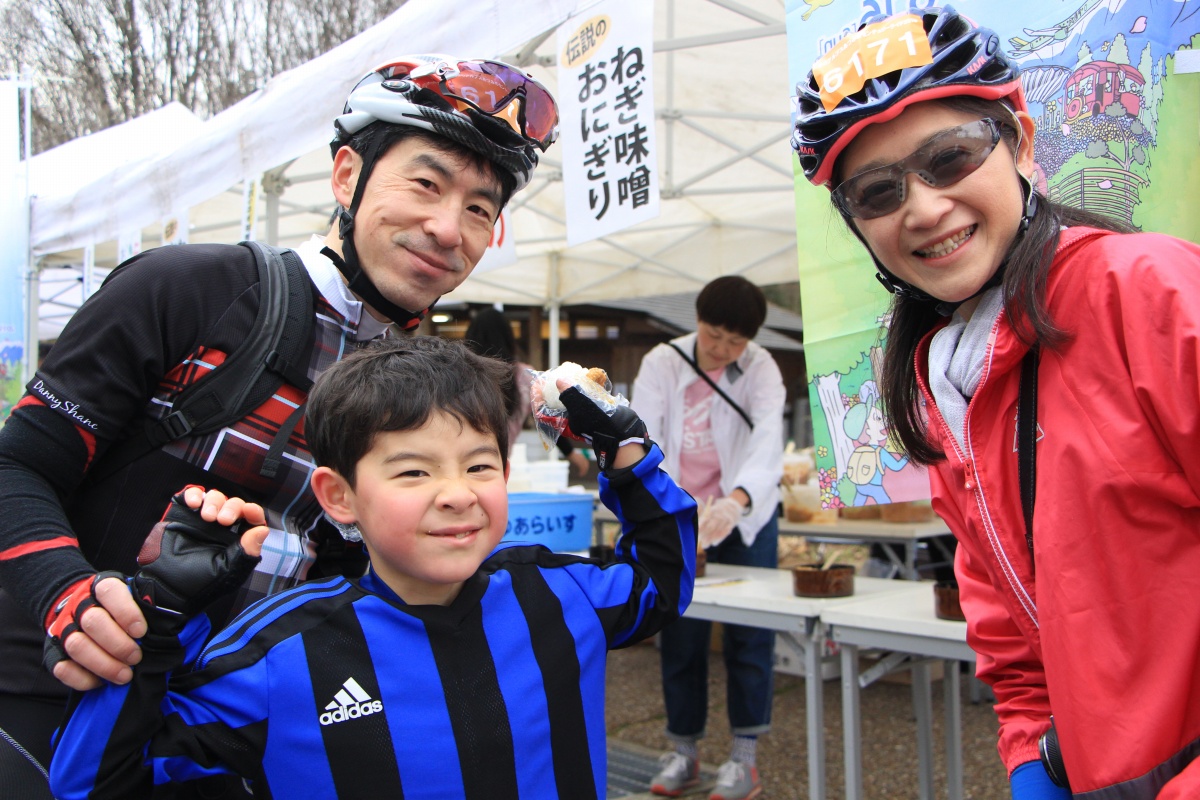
(561, 522)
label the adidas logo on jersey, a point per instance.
(351, 702)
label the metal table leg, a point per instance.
(815, 698)
(851, 722)
(923, 706)
(954, 764)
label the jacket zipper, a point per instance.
(971, 484)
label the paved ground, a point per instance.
(636, 720)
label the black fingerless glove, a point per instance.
(188, 563)
(66, 616)
(605, 432)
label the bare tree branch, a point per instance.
(97, 63)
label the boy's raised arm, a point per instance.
(658, 520)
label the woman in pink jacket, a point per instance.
(1074, 491)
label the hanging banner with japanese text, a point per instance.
(606, 99)
(175, 228)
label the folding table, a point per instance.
(902, 622)
(763, 598)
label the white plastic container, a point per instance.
(547, 476)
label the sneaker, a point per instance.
(736, 781)
(676, 773)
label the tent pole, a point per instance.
(273, 185)
(554, 322)
(272, 219)
(29, 360)
(555, 308)
(667, 173)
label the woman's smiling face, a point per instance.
(947, 241)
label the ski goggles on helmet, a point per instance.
(492, 88)
(944, 160)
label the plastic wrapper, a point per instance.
(548, 410)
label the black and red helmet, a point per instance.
(964, 59)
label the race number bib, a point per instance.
(877, 49)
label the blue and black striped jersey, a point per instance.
(337, 688)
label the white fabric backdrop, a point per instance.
(287, 118)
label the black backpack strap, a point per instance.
(276, 349)
(250, 374)
(741, 412)
(293, 349)
(274, 457)
(1027, 439)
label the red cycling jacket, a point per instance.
(1105, 633)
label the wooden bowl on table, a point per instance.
(945, 598)
(809, 580)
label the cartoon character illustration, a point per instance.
(866, 427)
(813, 5)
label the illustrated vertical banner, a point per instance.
(1115, 109)
(129, 244)
(249, 208)
(606, 101)
(14, 230)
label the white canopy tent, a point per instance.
(724, 162)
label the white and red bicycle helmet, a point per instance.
(497, 110)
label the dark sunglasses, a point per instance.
(944, 161)
(492, 88)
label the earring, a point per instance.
(348, 530)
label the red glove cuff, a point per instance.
(69, 607)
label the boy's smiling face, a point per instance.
(431, 503)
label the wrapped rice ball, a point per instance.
(550, 413)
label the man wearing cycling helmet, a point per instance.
(1041, 361)
(426, 152)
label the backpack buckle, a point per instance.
(175, 425)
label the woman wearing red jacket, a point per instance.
(1078, 524)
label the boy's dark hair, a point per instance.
(397, 384)
(733, 303)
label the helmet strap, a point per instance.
(901, 289)
(893, 284)
(946, 308)
(1031, 203)
(350, 267)
(362, 287)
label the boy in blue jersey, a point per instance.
(458, 666)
